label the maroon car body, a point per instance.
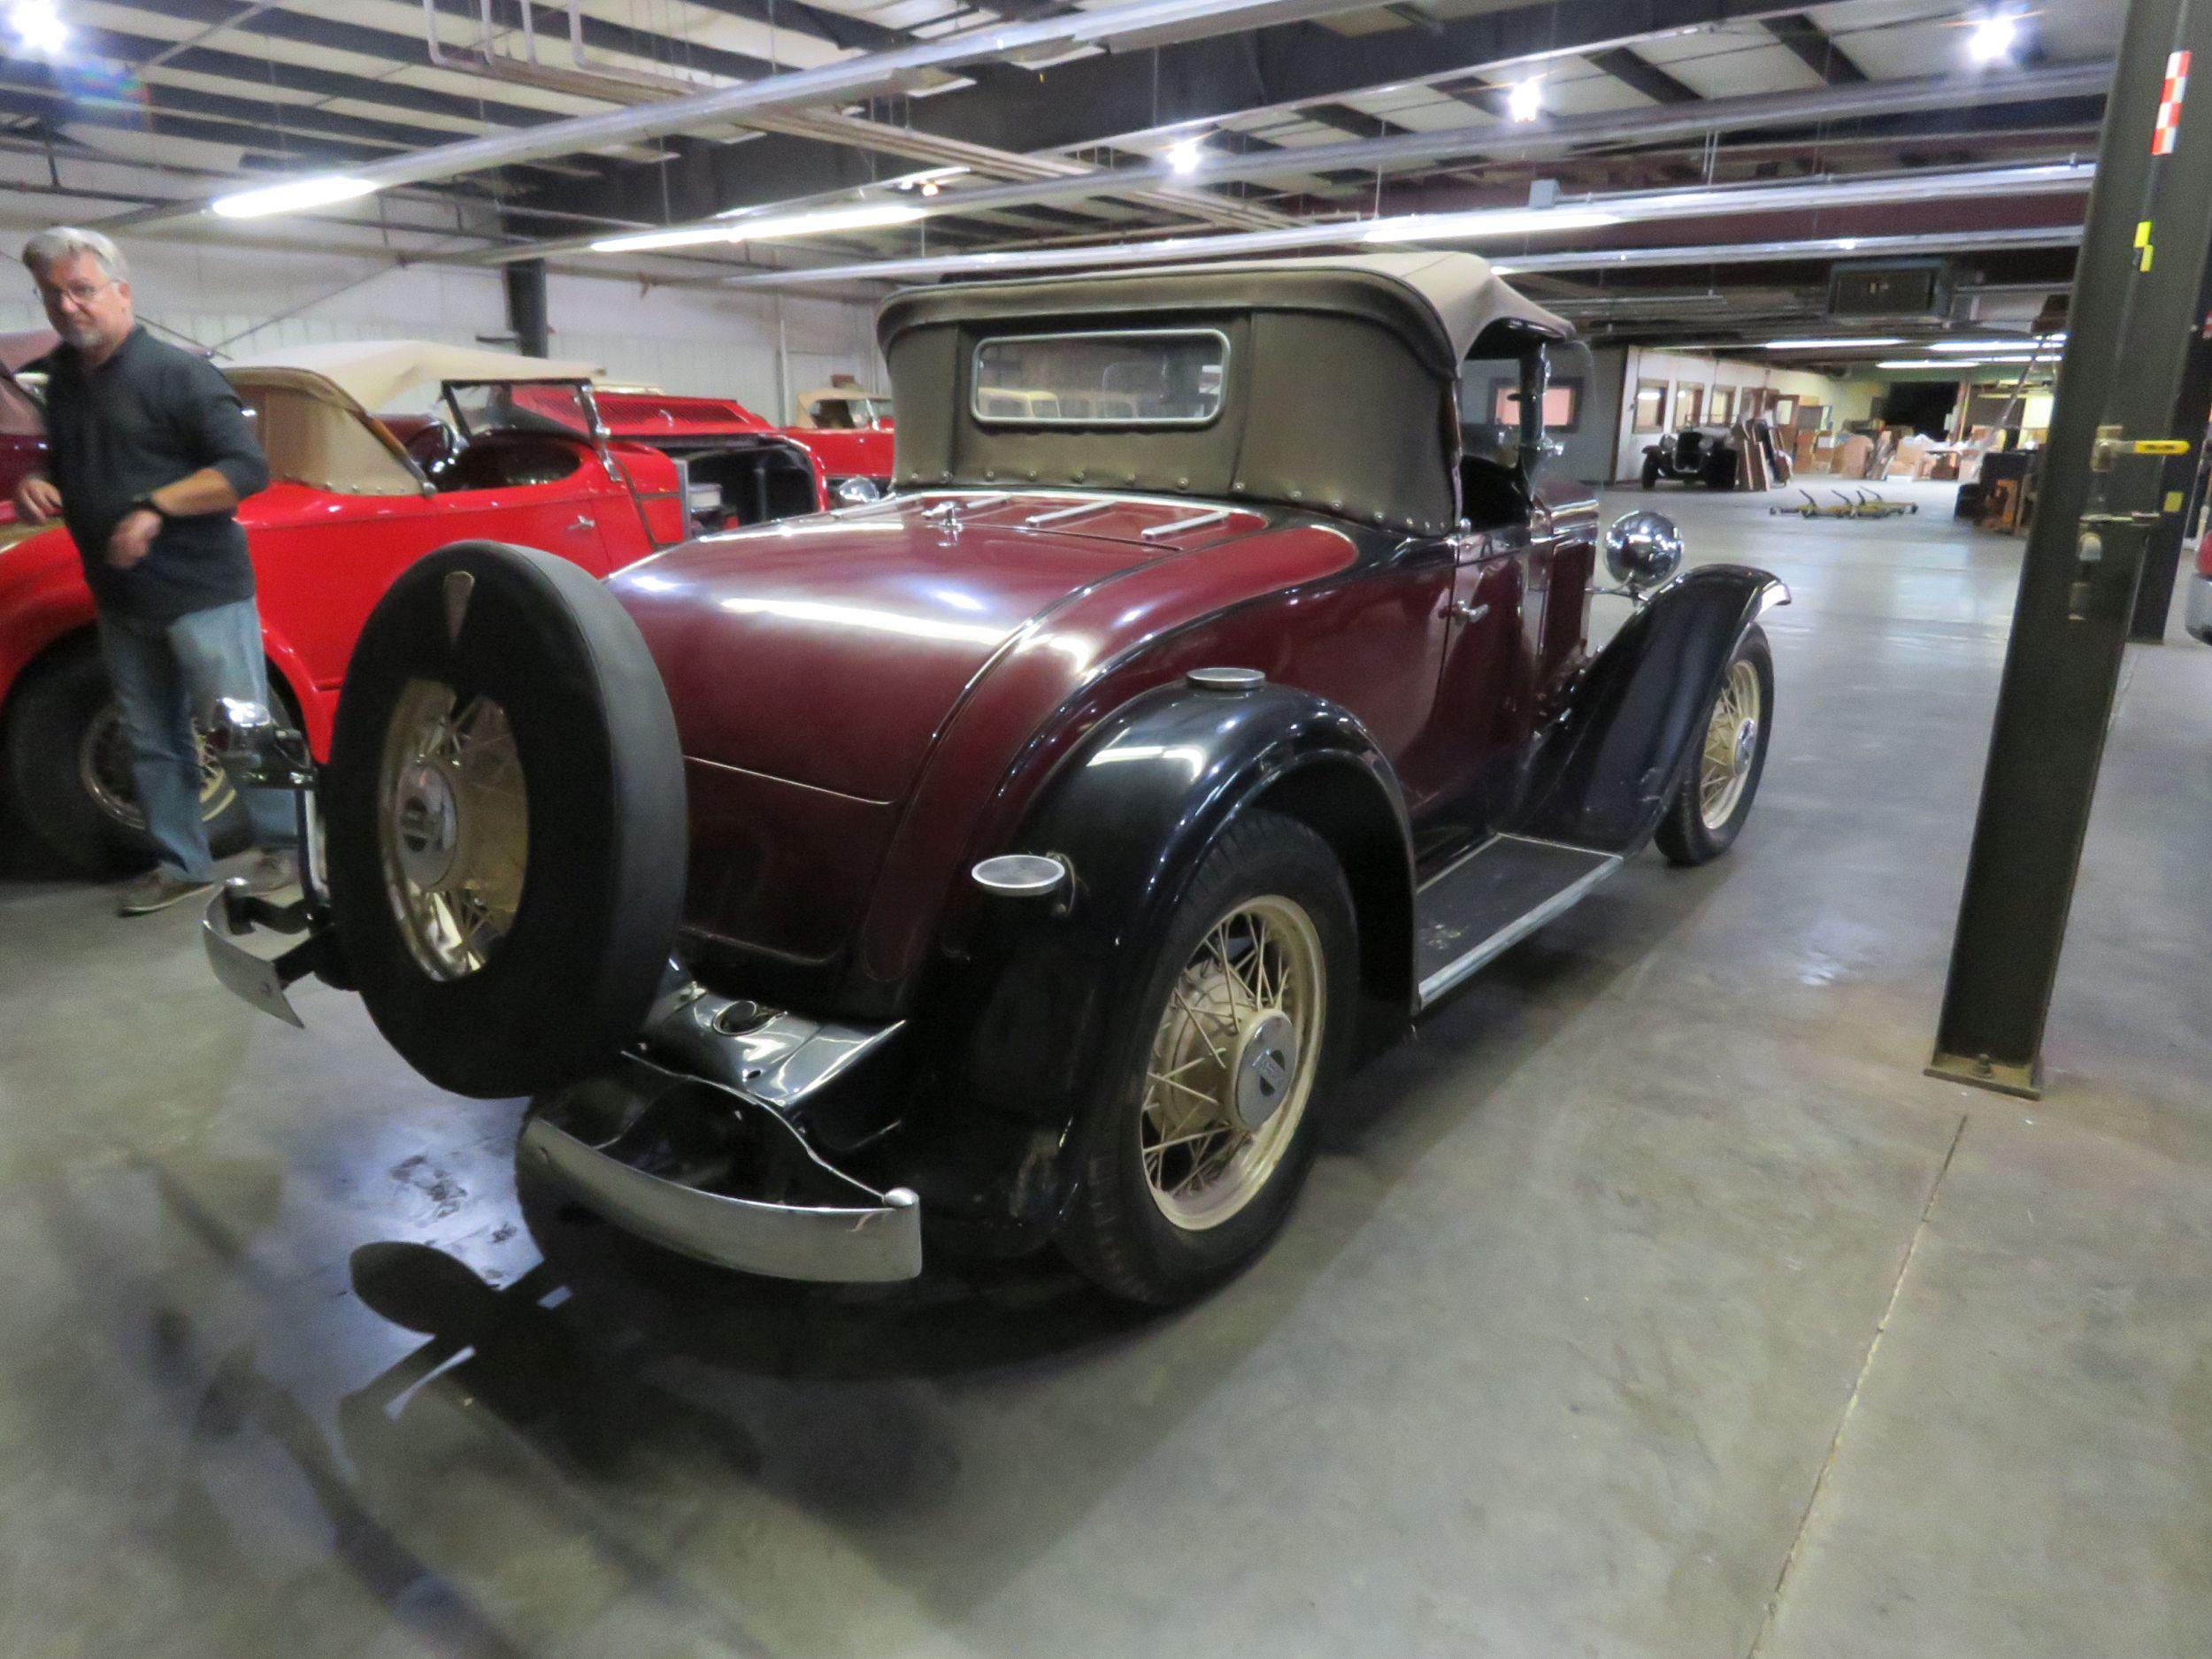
(1208, 702)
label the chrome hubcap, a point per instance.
(454, 826)
(1232, 1063)
(103, 771)
(1267, 1059)
(1732, 742)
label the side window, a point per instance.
(1563, 404)
(1651, 406)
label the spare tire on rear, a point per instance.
(504, 806)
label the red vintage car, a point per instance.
(849, 431)
(1020, 859)
(22, 427)
(356, 500)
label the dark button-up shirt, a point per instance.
(151, 414)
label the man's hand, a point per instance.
(134, 537)
(36, 499)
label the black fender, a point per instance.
(1026, 1014)
(1608, 760)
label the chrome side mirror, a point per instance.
(855, 492)
(1642, 550)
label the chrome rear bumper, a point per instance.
(695, 1166)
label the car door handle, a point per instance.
(583, 522)
(1466, 612)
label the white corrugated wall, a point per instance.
(681, 340)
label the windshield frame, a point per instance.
(594, 430)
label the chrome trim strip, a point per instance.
(1161, 532)
(1060, 515)
(1452, 973)
(1475, 851)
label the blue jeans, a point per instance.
(166, 674)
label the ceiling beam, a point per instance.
(1816, 50)
(312, 29)
(1639, 75)
(837, 82)
(1975, 193)
(464, 114)
(1091, 99)
(1352, 123)
(49, 111)
(1889, 105)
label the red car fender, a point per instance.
(45, 603)
(838, 454)
(43, 600)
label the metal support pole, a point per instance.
(525, 308)
(2105, 494)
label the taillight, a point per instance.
(2204, 555)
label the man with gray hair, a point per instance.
(150, 455)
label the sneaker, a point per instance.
(272, 872)
(157, 890)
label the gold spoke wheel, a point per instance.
(1233, 1062)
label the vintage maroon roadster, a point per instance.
(1019, 859)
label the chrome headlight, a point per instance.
(1642, 549)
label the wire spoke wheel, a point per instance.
(1732, 742)
(104, 768)
(453, 825)
(1233, 1062)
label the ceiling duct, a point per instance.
(896, 69)
(1891, 290)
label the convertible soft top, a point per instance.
(1441, 302)
(375, 372)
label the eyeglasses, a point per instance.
(82, 292)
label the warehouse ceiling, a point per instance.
(1657, 169)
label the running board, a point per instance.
(1494, 898)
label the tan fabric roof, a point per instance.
(1466, 295)
(315, 434)
(376, 373)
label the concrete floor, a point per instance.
(1652, 1304)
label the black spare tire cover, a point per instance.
(570, 982)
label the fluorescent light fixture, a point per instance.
(38, 27)
(1923, 363)
(1187, 155)
(293, 195)
(1505, 221)
(645, 240)
(1834, 345)
(867, 216)
(1981, 348)
(1993, 39)
(1526, 102)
